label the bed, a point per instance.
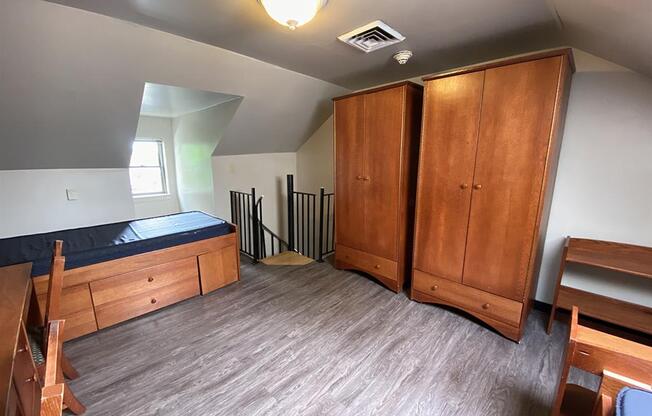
(115, 272)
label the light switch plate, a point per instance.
(72, 195)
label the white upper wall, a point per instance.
(72, 82)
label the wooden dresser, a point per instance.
(376, 147)
(490, 144)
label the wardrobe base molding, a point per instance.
(386, 271)
(506, 315)
(389, 283)
(502, 328)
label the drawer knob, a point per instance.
(433, 288)
(150, 279)
(485, 306)
(377, 266)
(153, 300)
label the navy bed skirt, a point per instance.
(96, 244)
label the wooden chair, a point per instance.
(41, 393)
(53, 310)
(39, 336)
(618, 361)
(52, 384)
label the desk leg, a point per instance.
(562, 266)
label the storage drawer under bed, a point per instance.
(126, 296)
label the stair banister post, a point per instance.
(255, 226)
(321, 225)
(290, 196)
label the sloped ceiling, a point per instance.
(441, 33)
(71, 85)
(71, 81)
(619, 31)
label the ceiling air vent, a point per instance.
(371, 37)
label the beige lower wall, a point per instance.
(35, 201)
(266, 172)
(315, 161)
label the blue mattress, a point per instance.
(90, 245)
(633, 402)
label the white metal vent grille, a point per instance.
(371, 37)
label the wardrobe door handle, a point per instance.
(359, 177)
(464, 186)
(477, 186)
(366, 178)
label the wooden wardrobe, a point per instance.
(376, 151)
(490, 143)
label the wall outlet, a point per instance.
(72, 195)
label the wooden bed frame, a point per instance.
(106, 293)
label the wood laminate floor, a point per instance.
(311, 340)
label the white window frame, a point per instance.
(162, 167)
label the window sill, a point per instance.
(152, 197)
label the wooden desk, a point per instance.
(15, 294)
(619, 257)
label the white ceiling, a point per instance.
(170, 101)
(441, 33)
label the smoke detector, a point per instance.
(402, 56)
(373, 36)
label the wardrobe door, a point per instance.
(449, 138)
(349, 170)
(384, 113)
(517, 110)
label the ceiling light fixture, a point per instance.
(292, 13)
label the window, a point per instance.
(147, 168)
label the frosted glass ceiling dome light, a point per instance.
(292, 13)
